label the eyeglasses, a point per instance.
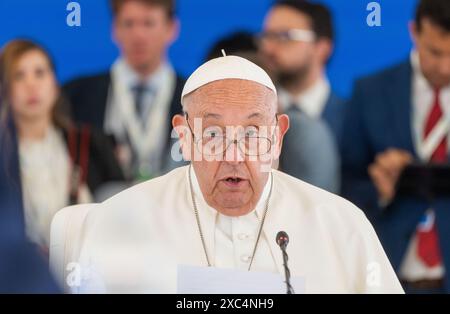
(289, 35)
(215, 143)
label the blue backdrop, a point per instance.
(360, 49)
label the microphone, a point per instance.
(282, 240)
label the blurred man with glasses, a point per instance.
(295, 45)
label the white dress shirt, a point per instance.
(235, 237)
(312, 101)
(413, 268)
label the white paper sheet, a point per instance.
(210, 280)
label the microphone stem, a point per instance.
(287, 273)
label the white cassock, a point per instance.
(135, 241)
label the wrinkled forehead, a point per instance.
(232, 97)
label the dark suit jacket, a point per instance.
(311, 146)
(103, 166)
(378, 118)
(310, 152)
(334, 115)
(22, 269)
(88, 98)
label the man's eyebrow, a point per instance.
(209, 115)
(255, 115)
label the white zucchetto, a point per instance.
(227, 67)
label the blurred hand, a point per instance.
(386, 170)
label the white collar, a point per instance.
(312, 101)
(420, 81)
(129, 75)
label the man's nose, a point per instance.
(141, 31)
(233, 153)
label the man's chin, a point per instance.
(444, 83)
(440, 82)
(140, 63)
(233, 206)
(234, 212)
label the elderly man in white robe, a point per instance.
(225, 209)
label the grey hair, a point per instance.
(184, 102)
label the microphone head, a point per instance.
(282, 238)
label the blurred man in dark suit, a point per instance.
(136, 99)
(399, 116)
(296, 44)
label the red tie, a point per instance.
(427, 238)
(440, 154)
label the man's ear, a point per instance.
(184, 134)
(283, 127)
(413, 32)
(114, 32)
(325, 49)
(174, 31)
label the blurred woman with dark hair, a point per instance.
(58, 163)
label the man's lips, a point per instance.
(234, 182)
